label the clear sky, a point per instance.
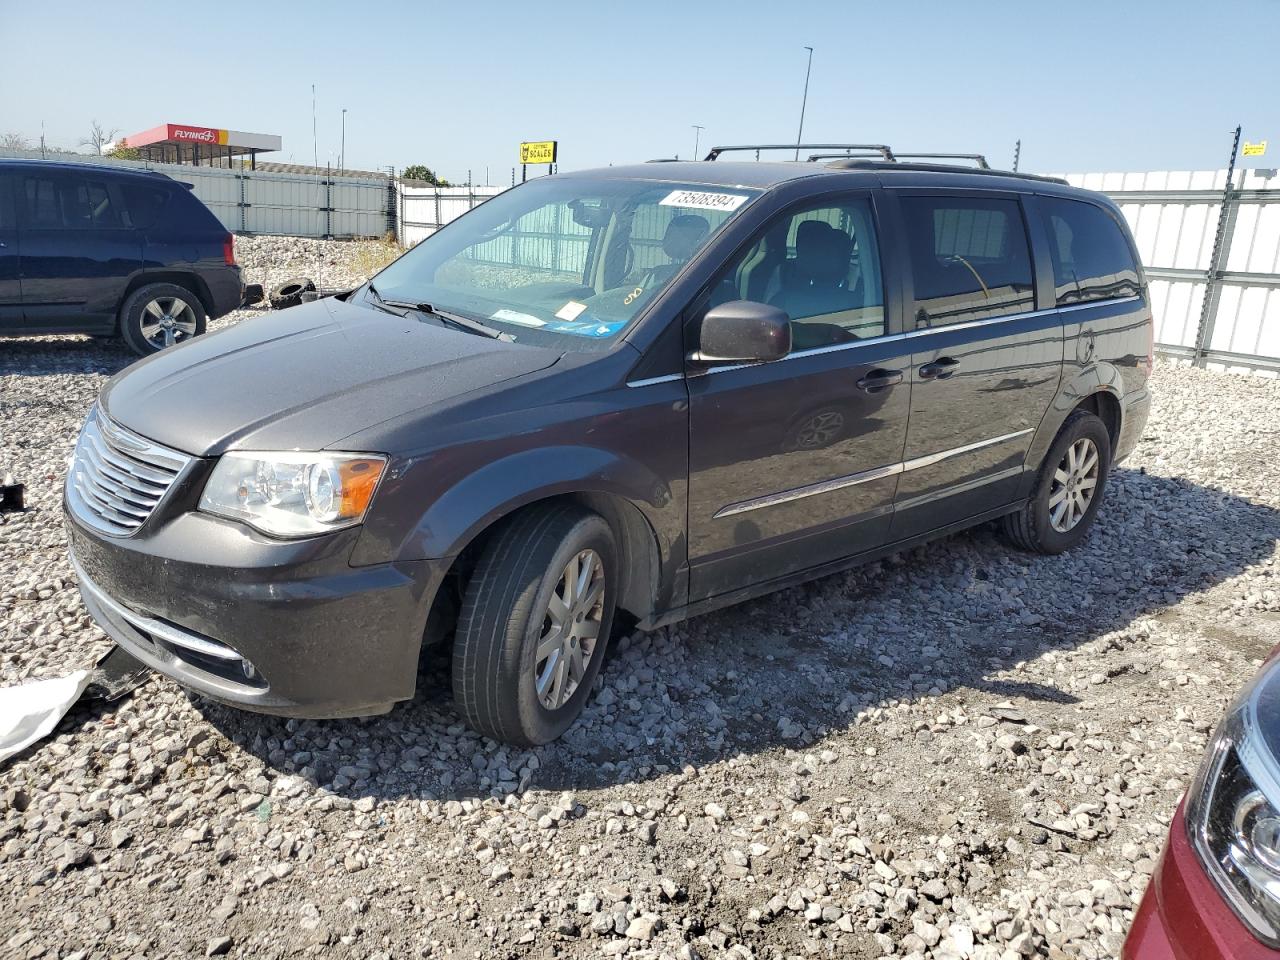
(1086, 85)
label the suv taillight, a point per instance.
(229, 250)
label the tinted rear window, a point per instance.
(969, 258)
(1091, 258)
(146, 203)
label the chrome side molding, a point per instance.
(865, 476)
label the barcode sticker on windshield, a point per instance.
(703, 200)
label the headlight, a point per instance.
(1233, 807)
(293, 494)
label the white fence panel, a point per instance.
(424, 210)
(1174, 216)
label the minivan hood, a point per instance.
(304, 378)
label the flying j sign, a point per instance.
(538, 151)
(178, 131)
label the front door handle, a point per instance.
(940, 369)
(878, 379)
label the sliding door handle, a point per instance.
(939, 369)
(878, 379)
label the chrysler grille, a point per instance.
(117, 478)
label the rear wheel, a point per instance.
(160, 315)
(1068, 489)
(534, 624)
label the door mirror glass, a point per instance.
(744, 331)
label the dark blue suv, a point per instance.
(109, 251)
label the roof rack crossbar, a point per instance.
(879, 148)
(815, 157)
(978, 158)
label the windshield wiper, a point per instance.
(453, 319)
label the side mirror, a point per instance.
(744, 331)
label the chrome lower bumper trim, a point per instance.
(165, 632)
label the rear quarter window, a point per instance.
(184, 210)
(146, 204)
(1092, 259)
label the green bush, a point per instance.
(420, 171)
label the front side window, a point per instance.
(969, 259)
(564, 261)
(1091, 257)
(821, 264)
(61, 202)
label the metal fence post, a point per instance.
(242, 177)
(393, 226)
(328, 202)
(438, 224)
(1218, 260)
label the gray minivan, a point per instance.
(620, 396)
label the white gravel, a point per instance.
(966, 752)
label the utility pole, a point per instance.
(803, 101)
(342, 151)
(697, 137)
(315, 149)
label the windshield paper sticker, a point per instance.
(571, 310)
(702, 200)
(515, 316)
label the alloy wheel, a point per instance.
(168, 320)
(1074, 483)
(570, 630)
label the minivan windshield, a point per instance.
(563, 261)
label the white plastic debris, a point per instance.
(30, 711)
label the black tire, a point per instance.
(504, 613)
(134, 316)
(1031, 528)
(289, 293)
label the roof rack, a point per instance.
(877, 149)
(977, 158)
(850, 151)
(862, 163)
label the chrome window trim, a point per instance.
(967, 325)
(649, 381)
(864, 476)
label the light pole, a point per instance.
(342, 151)
(803, 101)
(697, 137)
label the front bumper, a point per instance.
(200, 598)
(1183, 916)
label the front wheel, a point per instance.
(159, 315)
(534, 624)
(1068, 488)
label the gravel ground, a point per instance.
(964, 752)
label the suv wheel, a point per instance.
(534, 624)
(159, 315)
(1068, 488)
